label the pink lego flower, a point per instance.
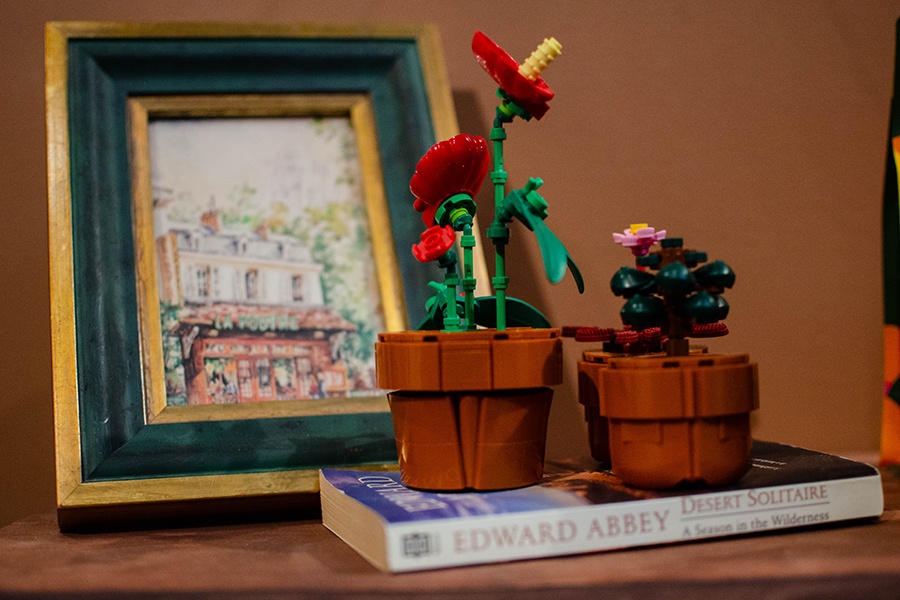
(639, 238)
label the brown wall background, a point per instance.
(755, 130)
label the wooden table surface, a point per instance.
(301, 559)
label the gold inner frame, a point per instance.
(141, 109)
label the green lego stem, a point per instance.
(451, 281)
(499, 232)
(469, 283)
(508, 110)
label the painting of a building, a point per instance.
(264, 259)
(248, 321)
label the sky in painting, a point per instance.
(294, 161)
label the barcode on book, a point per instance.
(419, 544)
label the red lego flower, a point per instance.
(451, 167)
(532, 95)
(434, 243)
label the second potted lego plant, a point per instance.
(673, 415)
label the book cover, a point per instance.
(576, 509)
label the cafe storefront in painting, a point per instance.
(252, 354)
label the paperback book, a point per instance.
(576, 509)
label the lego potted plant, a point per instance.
(664, 413)
(471, 385)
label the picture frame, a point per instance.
(125, 449)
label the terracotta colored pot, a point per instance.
(589, 397)
(674, 420)
(472, 407)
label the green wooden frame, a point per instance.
(112, 464)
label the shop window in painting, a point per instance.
(304, 377)
(304, 366)
(221, 380)
(285, 379)
(264, 378)
(245, 379)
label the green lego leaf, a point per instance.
(692, 258)
(676, 279)
(553, 253)
(576, 273)
(715, 274)
(629, 281)
(648, 260)
(723, 306)
(434, 317)
(702, 308)
(528, 207)
(642, 312)
(436, 307)
(518, 313)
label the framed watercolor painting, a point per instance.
(229, 232)
(272, 268)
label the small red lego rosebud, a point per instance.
(434, 243)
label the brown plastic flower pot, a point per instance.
(676, 420)
(471, 408)
(589, 397)
(592, 361)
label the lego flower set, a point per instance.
(471, 386)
